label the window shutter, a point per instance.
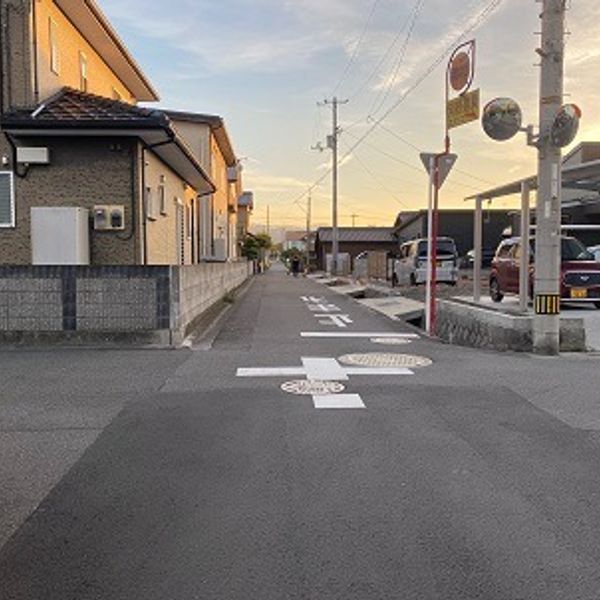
(6, 200)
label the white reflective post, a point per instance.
(524, 266)
(428, 289)
(478, 243)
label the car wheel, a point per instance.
(495, 292)
(413, 279)
(597, 305)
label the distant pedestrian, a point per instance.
(296, 266)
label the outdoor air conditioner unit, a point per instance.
(109, 217)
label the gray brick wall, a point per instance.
(123, 300)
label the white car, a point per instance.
(595, 250)
(411, 267)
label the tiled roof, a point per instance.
(71, 106)
(358, 234)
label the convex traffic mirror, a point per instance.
(565, 126)
(502, 119)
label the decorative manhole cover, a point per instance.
(304, 387)
(383, 360)
(389, 341)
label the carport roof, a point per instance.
(585, 176)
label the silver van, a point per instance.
(411, 266)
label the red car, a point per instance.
(580, 273)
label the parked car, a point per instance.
(595, 252)
(487, 255)
(580, 273)
(411, 266)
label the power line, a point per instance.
(389, 84)
(354, 55)
(478, 20)
(374, 72)
(411, 166)
(414, 147)
(376, 179)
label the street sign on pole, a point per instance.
(445, 163)
(438, 166)
(463, 109)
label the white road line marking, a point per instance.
(335, 334)
(323, 307)
(338, 401)
(271, 372)
(338, 320)
(324, 369)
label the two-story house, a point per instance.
(72, 136)
(210, 143)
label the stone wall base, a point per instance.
(468, 324)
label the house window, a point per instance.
(189, 221)
(54, 53)
(83, 72)
(7, 199)
(150, 205)
(162, 200)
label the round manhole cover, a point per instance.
(382, 360)
(387, 341)
(305, 387)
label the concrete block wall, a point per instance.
(146, 304)
(202, 286)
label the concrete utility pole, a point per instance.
(308, 219)
(268, 219)
(354, 216)
(332, 143)
(546, 328)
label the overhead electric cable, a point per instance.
(357, 48)
(478, 20)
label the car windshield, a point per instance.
(443, 247)
(573, 250)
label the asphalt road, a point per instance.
(164, 475)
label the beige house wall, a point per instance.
(101, 80)
(162, 230)
(221, 196)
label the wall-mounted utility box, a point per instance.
(233, 173)
(33, 156)
(60, 236)
(109, 217)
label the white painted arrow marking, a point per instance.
(321, 369)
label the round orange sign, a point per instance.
(460, 71)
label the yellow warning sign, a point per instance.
(463, 110)
(547, 304)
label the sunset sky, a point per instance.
(264, 64)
